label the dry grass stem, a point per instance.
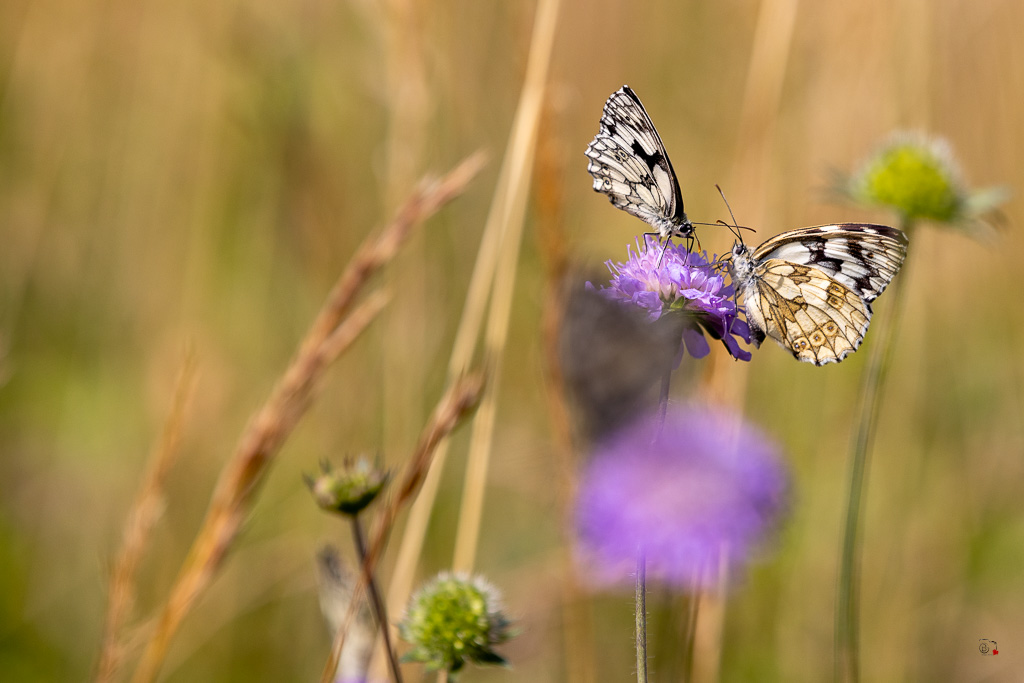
(514, 172)
(724, 381)
(577, 630)
(466, 336)
(146, 509)
(266, 432)
(459, 401)
(709, 622)
(509, 210)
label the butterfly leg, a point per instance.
(645, 236)
(667, 239)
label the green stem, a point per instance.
(375, 599)
(847, 644)
(641, 618)
(640, 602)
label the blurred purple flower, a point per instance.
(695, 497)
(684, 283)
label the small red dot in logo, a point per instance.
(995, 652)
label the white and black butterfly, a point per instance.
(630, 165)
(811, 289)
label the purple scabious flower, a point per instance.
(684, 283)
(695, 497)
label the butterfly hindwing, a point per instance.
(630, 165)
(811, 289)
(813, 315)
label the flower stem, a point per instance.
(375, 600)
(847, 627)
(640, 601)
(641, 618)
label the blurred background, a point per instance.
(191, 178)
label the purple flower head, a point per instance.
(695, 498)
(684, 283)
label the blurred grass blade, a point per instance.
(509, 210)
(335, 326)
(142, 517)
(501, 236)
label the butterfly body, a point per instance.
(811, 289)
(630, 165)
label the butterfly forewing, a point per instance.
(861, 256)
(630, 165)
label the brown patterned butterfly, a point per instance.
(811, 289)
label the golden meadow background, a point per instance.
(191, 177)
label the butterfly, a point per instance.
(811, 289)
(630, 165)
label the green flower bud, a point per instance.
(918, 178)
(452, 620)
(350, 489)
(914, 176)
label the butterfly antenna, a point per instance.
(726, 224)
(734, 226)
(734, 229)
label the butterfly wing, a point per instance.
(860, 256)
(811, 289)
(817, 318)
(630, 165)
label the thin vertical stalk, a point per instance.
(641, 617)
(689, 640)
(752, 177)
(663, 399)
(522, 139)
(640, 599)
(146, 510)
(705, 638)
(509, 209)
(847, 627)
(577, 630)
(458, 402)
(380, 611)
